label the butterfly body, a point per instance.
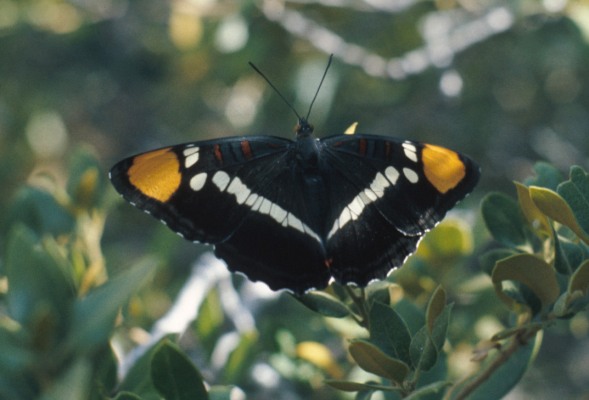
(294, 214)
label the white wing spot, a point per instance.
(260, 204)
(221, 179)
(392, 174)
(294, 222)
(198, 181)
(410, 151)
(356, 207)
(251, 199)
(191, 154)
(240, 190)
(369, 195)
(278, 213)
(410, 175)
(379, 184)
(265, 206)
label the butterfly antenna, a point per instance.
(319, 87)
(275, 89)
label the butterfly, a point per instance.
(295, 214)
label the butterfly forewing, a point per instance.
(185, 186)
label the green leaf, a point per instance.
(16, 356)
(348, 386)
(576, 193)
(74, 384)
(324, 304)
(174, 376)
(40, 294)
(389, 332)
(127, 396)
(562, 249)
(504, 219)
(547, 176)
(428, 390)
(424, 353)
(40, 212)
(137, 380)
(94, 315)
(371, 359)
(490, 258)
(440, 328)
(435, 306)
(224, 393)
(530, 270)
(379, 292)
(555, 207)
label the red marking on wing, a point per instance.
(246, 149)
(362, 147)
(218, 153)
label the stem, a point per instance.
(360, 302)
(520, 339)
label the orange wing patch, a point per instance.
(156, 174)
(443, 168)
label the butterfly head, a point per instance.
(303, 128)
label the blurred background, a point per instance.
(506, 82)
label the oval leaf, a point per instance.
(324, 304)
(174, 376)
(371, 359)
(555, 207)
(389, 332)
(435, 307)
(348, 386)
(423, 351)
(530, 270)
(504, 219)
(580, 279)
(535, 217)
(95, 315)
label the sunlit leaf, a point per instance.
(555, 207)
(530, 270)
(580, 279)
(371, 359)
(534, 216)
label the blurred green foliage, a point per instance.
(86, 281)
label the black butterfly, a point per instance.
(293, 214)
